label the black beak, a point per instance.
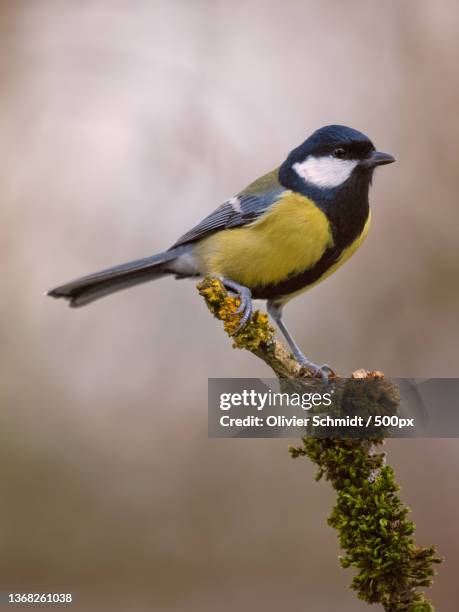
(376, 158)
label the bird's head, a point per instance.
(332, 157)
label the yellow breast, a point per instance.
(289, 238)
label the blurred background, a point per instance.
(121, 125)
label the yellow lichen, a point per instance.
(223, 307)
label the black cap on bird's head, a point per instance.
(330, 158)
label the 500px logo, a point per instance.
(257, 400)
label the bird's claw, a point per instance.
(245, 307)
(243, 304)
(319, 371)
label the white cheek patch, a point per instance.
(326, 171)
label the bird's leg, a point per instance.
(275, 311)
(244, 294)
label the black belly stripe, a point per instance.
(298, 281)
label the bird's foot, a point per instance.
(319, 371)
(245, 307)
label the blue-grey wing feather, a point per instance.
(234, 213)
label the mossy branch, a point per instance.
(374, 531)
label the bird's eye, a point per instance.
(340, 153)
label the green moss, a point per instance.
(374, 531)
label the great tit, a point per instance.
(284, 233)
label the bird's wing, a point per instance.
(247, 206)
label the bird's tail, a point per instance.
(86, 289)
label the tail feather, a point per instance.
(86, 289)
